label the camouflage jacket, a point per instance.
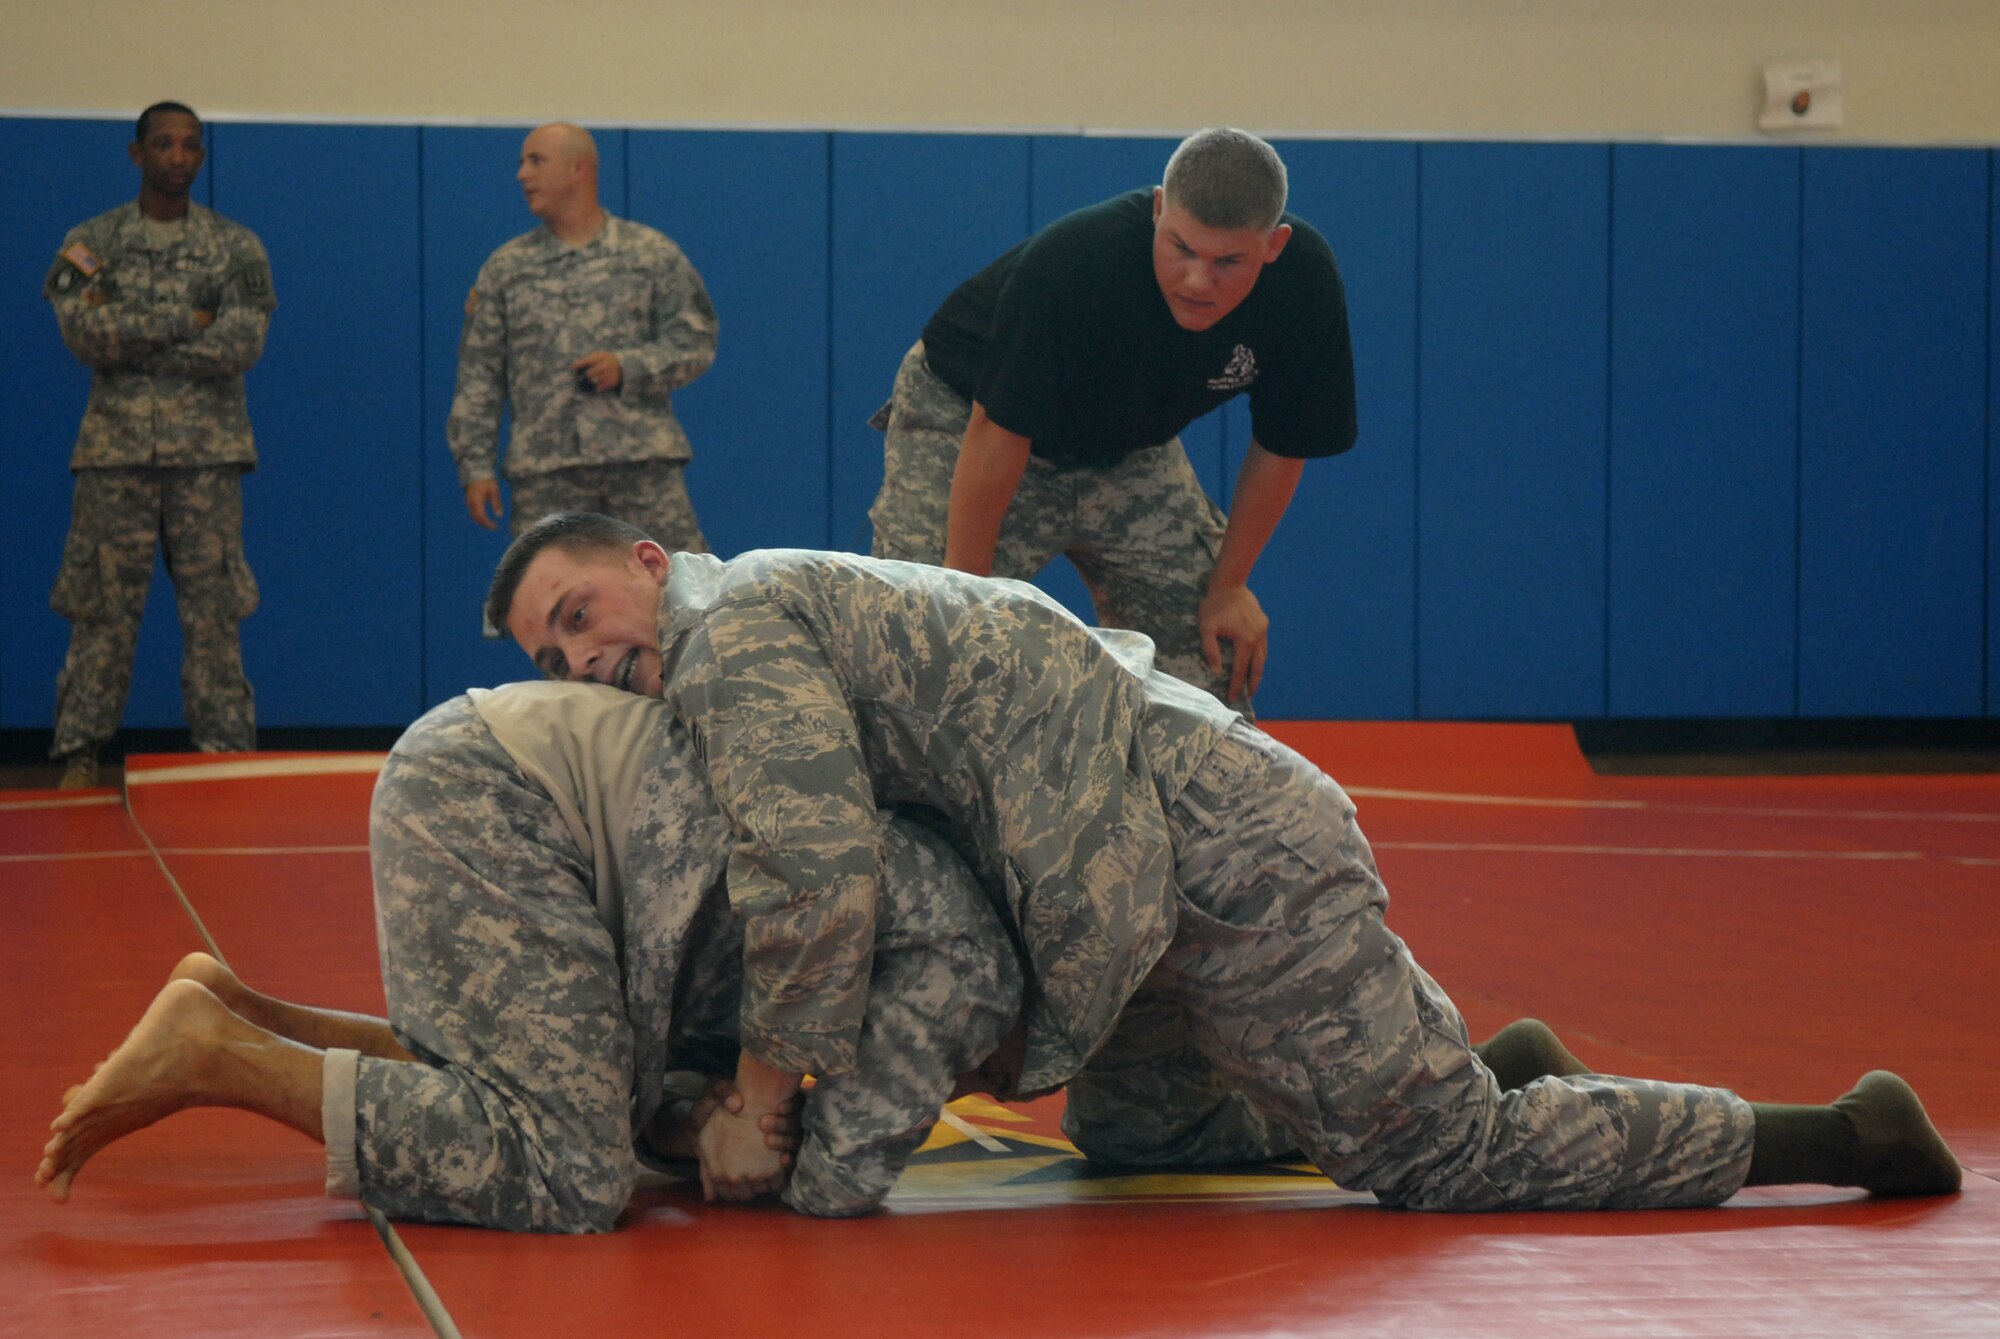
(822, 688)
(556, 943)
(540, 304)
(163, 391)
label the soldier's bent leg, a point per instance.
(923, 425)
(923, 430)
(652, 494)
(944, 987)
(107, 567)
(539, 495)
(1149, 538)
(1298, 990)
(202, 533)
(1150, 1098)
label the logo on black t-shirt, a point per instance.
(1240, 371)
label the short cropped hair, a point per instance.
(574, 532)
(1227, 179)
(160, 109)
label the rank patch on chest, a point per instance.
(1239, 372)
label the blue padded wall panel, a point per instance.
(913, 217)
(1993, 443)
(1511, 451)
(1704, 440)
(1892, 555)
(1339, 577)
(332, 517)
(81, 170)
(749, 208)
(470, 204)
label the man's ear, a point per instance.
(1159, 201)
(652, 558)
(1276, 242)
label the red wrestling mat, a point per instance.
(211, 1223)
(1776, 935)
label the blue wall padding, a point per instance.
(333, 517)
(1344, 617)
(913, 215)
(755, 224)
(1645, 430)
(1512, 311)
(1892, 443)
(1703, 439)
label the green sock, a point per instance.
(1526, 1050)
(1876, 1137)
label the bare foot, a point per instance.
(224, 984)
(158, 1070)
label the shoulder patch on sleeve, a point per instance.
(471, 300)
(83, 258)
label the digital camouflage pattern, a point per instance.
(550, 1012)
(1283, 1014)
(1284, 984)
(537, 306)
(163, 390)
(650, 494)
(1142, 534)
(159, 459)
(824, 688)
(119, 515)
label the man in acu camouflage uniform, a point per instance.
(1147, 847)
(1040, 412)
(560, 958)
(168, 303)
(585, 326)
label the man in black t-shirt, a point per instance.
(1038, 414)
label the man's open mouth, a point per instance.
(622, 676)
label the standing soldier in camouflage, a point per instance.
(168, 303)
(560, 956)
(1040, 412)
(1150, 848)
(585, 326)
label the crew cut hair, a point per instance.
(1227, 179)
(159, 109)
(574, 532)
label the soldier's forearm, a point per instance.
(228, 347)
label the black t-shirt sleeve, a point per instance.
(1304, 406)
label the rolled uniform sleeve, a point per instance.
(684, 328)
(500, 978)
(783, 753)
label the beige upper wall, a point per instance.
(1916, 71)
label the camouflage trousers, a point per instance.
(1284, 985)
(944, 987)
(1141, 533)
(119, 516)
(651, 494)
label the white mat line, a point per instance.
(333, 764)
(972, 1132)
(361, 849)
(1698, 852)
(184, 850)
(1666, 807)
(138, 851)
(69, 802)
(1520, 801)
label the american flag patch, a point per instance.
(83, 258)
